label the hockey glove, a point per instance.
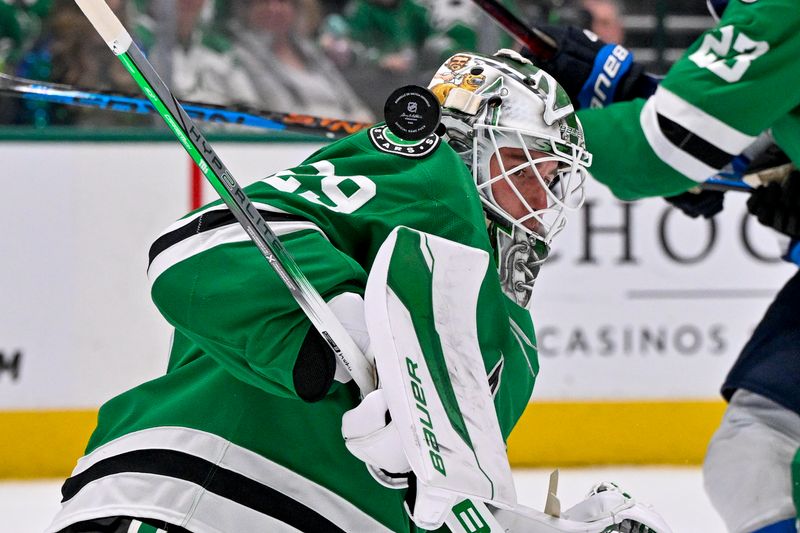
(607, 500)
(349, 309)
(593, 73)
(704, 203)
(371, 436)
(777, 205)
(367, 429)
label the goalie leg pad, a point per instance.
(421, 310)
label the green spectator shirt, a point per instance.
(20, 26)
(388, 29)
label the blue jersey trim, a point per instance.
(793, 255)
(786, 526)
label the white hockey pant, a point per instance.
(747, 469)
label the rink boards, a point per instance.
(639, 314)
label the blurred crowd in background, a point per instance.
(331, 58)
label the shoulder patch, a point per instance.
(385, 141)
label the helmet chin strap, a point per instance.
(519, 258)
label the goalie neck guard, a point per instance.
(516, 129)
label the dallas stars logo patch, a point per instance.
(386, 141)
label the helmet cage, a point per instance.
(565, 192)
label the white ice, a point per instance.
(676, 493)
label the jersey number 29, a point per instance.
(335, 198)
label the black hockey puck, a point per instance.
(412, 112)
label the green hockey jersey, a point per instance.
(737, 80)
(223, 442)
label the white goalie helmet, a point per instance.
(516, 129)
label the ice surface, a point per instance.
(676, 493)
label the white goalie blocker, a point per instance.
(421, 313)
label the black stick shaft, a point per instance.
(332, 128)
(200, 150)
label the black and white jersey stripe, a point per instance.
(211, 227)
(693, 142)
(203, 483)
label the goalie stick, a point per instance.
(55, 93)
(119, 40)
(538, 42)
(331, 128)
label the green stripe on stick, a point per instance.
(173, 125)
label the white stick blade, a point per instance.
(552, 506)
(107, 24)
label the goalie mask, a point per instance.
(516, 129)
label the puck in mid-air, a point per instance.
(412, 112)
